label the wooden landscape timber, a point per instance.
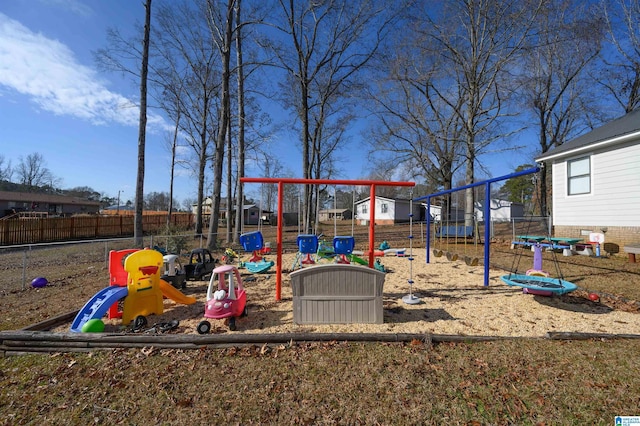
(35, 339)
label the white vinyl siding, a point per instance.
(385, 208)
(614, 197)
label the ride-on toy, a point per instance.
(228, 301)
(173, 272)
(201, 263)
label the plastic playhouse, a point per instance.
(142, 290)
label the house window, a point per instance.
(384, 207)
(579, 176)
(364, 209)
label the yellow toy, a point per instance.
(143, 284)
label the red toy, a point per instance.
(229, 301)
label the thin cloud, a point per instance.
(48, 73)
(76, 6)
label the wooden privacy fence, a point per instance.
(33, 231)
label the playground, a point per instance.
(453, 301)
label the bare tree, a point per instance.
(142, 129)
(184, 44)
(415, 129)
(32, 172)
(328, 44)
(621, 76)
(554, 86)
(6, 172)
(477, 42)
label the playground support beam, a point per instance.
(486, 212)
(281, 181)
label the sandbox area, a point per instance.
(453, 302)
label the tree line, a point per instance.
(31, 174)
(439, 86)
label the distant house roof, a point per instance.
(617, 131)
(402, 200)
(334, 210)
(121, 207)
(33, 197)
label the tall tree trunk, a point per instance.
(202, 163)
(142, 127)
(225, 53)
(241, 154)
(173, 166)
(469, 179)
(306, 162)
(228, 221)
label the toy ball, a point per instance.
(95, 325)
(594, 297)
(39, 282)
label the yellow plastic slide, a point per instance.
(174, 294)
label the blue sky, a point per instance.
(55, 102)
(84, 122)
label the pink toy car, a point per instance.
(228, 301)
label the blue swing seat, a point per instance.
(540, 284)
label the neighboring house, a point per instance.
(29, 204)
(251, 212)
(501, 210)
(596, 183)
(388, 211)
(434, 211)
(334, 214)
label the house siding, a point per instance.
(614, 200)
(389, 215)
(397, 211)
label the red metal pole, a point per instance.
(372, 223)
(279, 244)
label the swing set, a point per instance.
(372, 184)
(486, 216)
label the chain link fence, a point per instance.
(60, 262)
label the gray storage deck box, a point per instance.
(337, 294)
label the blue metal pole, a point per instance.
(428, 227)
(486, 216)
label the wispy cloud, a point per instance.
(48, 72)
(76, 6)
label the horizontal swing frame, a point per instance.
(372, 184)
(486, 213)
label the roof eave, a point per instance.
(596, 145)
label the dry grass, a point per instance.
(520, 381)
(507, 382)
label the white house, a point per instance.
(388, 211)
(251, 212)
(596, 183)
(501, 210)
